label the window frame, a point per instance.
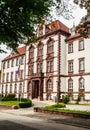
(70, 84)
(81, 45)
(50, 66)
(70, 48)
(70, 66)
(81, 63)
(81, 84)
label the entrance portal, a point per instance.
(35, 89)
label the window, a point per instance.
(8, 64)
(3, 77)
(6, 88)
(15, 88)
(49, 66)
(16, 61)
(30, 69)
(2, 89)
(29, 86)
(12, 63)
(70, 84)
(81, 64)
(81, 83)
(40, 49)
(70, 48)
(20, 88)
(21, 74)
(31, 52)
(39, 67)
(50, 47)
(11, 76)
(81, 45)
(49, 85)
(10, 88)
(70, 66)
(7, 77)
(22, 60)
(16, 76)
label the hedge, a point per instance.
(25, 104)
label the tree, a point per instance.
(84, 27)
(18, 18)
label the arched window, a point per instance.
(50, 46)
(70, 84)
(81, 83)
(49, 84)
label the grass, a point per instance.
(63, 109)
(9, 103)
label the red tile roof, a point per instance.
(56, 25)
(20, 50)
(73, 37)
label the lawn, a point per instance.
(9, 103)
(61, 108)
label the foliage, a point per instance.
(65, 99)
(54, 107)
(84, 27)
(9, 97)
(79, 98)
(18, 18)
(25, 104)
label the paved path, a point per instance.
(28, 112)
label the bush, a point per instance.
(65, 99)
(79, 98)
(25, 104)
(59, 105)
(54, 107)
(9, 97)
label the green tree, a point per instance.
(18, 18)
(84, 27)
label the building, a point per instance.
(55, 65)
(12, 77)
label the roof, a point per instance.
(56, 25)
(73, 37)
(21, 51)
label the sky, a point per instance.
(77, 13)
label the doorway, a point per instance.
(35, 89)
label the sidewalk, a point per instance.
(28, 112)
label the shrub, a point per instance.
(9, 97)
(59, 105)
(65, 99)
(25, 104)
(79, 98)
